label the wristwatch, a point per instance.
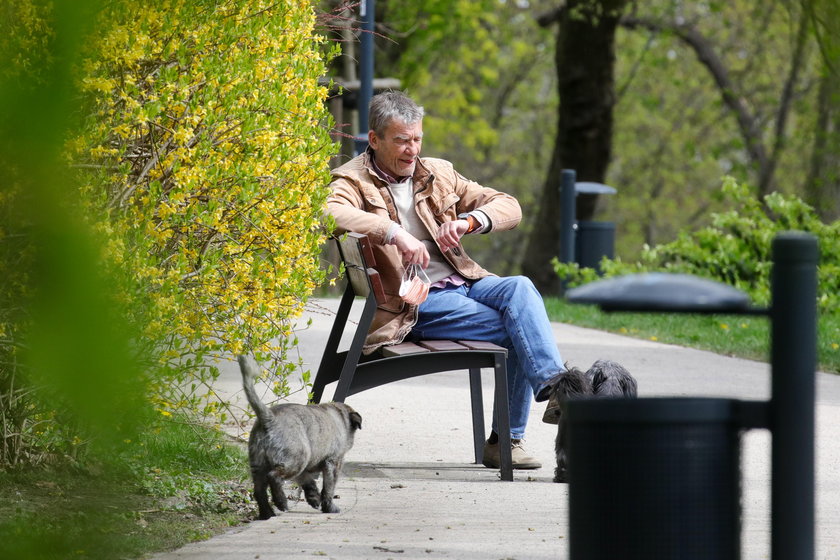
(474, 223)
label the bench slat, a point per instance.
(480, 345)
(403, 349)
(367, 249)
(441, 345)
(422, 346)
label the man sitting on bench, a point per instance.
(415, 212)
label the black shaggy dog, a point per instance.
(605, 379)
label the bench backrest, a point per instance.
(357, 255)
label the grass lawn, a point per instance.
(732, 335)
(178, 484)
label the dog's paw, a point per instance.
(560, 475)
(329, 507)
(266, 515)
(282, 503)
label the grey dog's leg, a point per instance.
(309, 486)
(276, 484)
(560, 452)
(572, 383)
(261, 493)
(330, 475)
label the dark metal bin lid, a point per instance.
(652, 410)
(660, 291)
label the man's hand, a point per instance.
(412, 249)
(450, 233)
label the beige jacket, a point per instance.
(361, 202)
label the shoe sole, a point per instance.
(519, 467)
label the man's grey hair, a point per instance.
(392, 105)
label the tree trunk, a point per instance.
(584, 60)
(822, 188)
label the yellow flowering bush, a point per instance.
(203, 159)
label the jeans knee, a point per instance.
(523, 283)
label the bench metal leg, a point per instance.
(348, 370)
(477, 413)
(329, 361)
(502, 409)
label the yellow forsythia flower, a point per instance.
(206, 158)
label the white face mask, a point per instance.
(413, 288)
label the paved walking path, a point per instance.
(409, 489)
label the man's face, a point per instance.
(398, 147)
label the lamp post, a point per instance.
(366, 11)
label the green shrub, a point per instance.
(735, 248)
(205, 165)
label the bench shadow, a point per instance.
(433, 470)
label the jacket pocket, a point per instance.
(444, 208)
(375, 205)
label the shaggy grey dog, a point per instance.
(605, 379)
(573, 383)
(611, 379)
(296, 442)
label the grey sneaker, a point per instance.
(519, 457)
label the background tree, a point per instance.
(822, 188)
(584, 63)
(722, 88)
(675, 131)
(479, 69)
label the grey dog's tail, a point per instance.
(249, 372)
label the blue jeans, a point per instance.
(505, 311)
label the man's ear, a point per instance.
(373, 140)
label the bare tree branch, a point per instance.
(765, 181)
(703, 48)
(552, 17)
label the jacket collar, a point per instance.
(422, 174)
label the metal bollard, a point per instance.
(793, 361)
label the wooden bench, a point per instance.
(355, 372)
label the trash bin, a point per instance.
(588, 193)
(593, 241)
(654, 478)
